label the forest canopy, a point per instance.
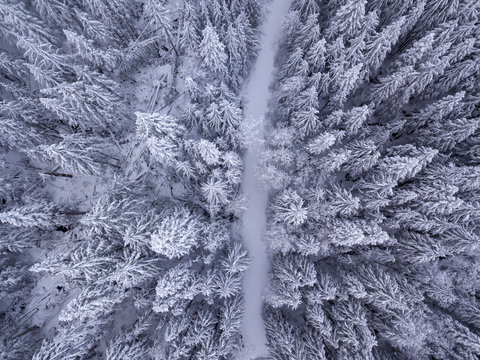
(122, 143)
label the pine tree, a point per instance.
(87, 50)
(21, 23)
(74, 153)
(189, 37)
(212, 51)
(42, 215)
(160, 17)
(347, 20)
(175, 289)
(306, 7)
(176, 234)
(216, 192)
(289, 207)
(381, 44)
(84, 104)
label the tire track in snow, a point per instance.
(254, 219)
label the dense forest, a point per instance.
(374, 167)
(121, 164)
(122, 137)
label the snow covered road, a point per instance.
(257, 95)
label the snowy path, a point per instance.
(257, 94)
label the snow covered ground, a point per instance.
(257, 95)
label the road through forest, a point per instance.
(254, 220)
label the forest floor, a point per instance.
(257, 94)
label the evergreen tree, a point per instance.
(212, 51)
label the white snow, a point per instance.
(254, 219)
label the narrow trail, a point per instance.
(254, 219)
